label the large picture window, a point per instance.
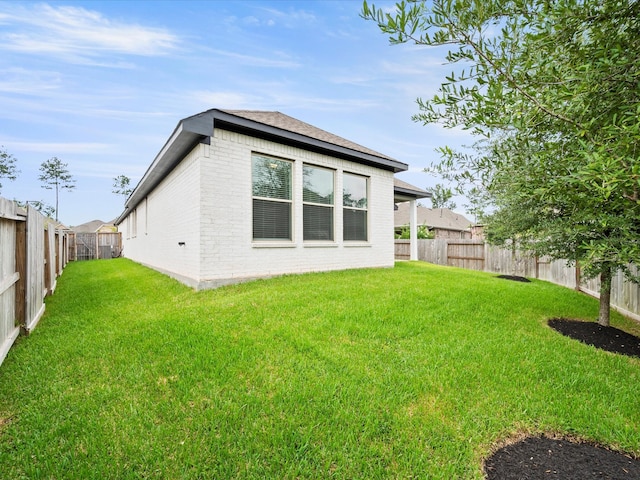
(272, 204)
(355, 208)
(318, 200)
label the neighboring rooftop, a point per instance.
(90, 227)
(441, 218)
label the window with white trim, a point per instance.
(355, 207)
(272, 198)
(318, 201)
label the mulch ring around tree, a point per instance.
(610, 339)
(542, 457)
(515, 278)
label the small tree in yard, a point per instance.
(8, 168)
(551, 92)
(55, 175)
(441, 197)
(122, 186)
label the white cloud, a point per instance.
(289, 19)
(250, 21)
(259, 61)
(31, 82)
(78, 35)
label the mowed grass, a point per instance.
(410, 372)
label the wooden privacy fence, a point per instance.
(95, 245)
(478, 255)
(32, 256)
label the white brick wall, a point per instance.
(207, 203)
(167, 217)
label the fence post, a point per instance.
(21, 269)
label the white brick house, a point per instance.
(237, 195)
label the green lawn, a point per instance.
(410, 372)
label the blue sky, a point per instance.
(102, 84)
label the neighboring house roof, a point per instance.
(274, 126)
(89, 227)
(441, 218)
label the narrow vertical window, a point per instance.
(134, 223)
(355, 207)
(272, 200)
(146, 215)
(318, 200)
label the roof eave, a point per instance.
(401, 194)
(188, 133)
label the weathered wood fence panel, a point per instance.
(403, 250)
(9, 324)
(35, 284)
(95, 245)
(32, 256)
(506, 261)
(109, 244)
(474, 255)
(625, 296)
(50, 259)
(86, 246)
(467, 254)
(558, 272)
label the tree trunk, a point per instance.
(605, 296)
(56, 202)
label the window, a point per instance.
(354, 212)
(271, 181)
(134, 223)
(317, 197)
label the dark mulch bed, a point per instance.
(545, 458)
(515, 278)
(610, 339)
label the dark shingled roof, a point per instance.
(290, 124)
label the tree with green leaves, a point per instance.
(44, 208)
(8, 168)
(55, 176)
(122, 186)
(441, 197)
(551, 90)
